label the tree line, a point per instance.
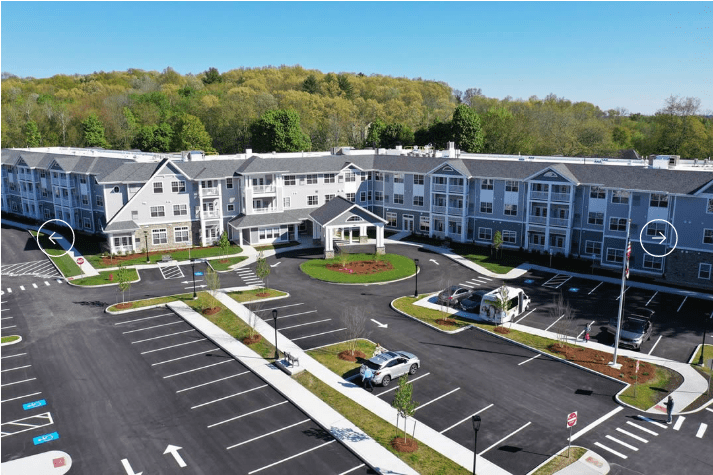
(289, 108)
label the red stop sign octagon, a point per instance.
(80, 261)
(572, 419)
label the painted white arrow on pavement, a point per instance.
(127, 467)
(197, 287)
(434, 261)
(275, 265)
(173, 450)
(662, 238)
(381, 325)
(52, 238)
(190, 281)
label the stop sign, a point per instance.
(572, 419)
(80, 260)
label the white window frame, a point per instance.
(486, 203)
(598, 216)
(230, 207)
(330, 177)
(313, 200)
(418, 200)
(424, 223)
(613, 251)
(510, 210)
(701, 268)
(157, 187)
(178, 186)
(509, 237)
(653, 262)
(179, 233)
(351, 197)
(486, 184)
(157, 234)
(349, 177)
(362, 196)
(597, 193)
(485, 234)
(229, 183)
(653, 229)
(100, 201)
(709, 237)
(418, 179)
(182, 210)
(290, 180)
(312, 179)
(618, 224)
(328, 198)
(657, 199)
(392, 219)
(85, 200)
(398, 199)
(512, 186)
(286, 202)
(591, 246)
(620, 197)
(398, 177)
(709, 209)
(378, 195)
(158, 211)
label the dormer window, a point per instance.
(352, 219)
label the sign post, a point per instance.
(636, 382)
(571, 422)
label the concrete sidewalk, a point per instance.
(442, 444)
(366, 448)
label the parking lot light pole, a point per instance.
(193, 269)
(415, 293)
(146, 240)
(703, 347)
(274, 320)
(476, 428)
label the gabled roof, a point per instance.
(336, 207)
(298, 165)
(291, 216)
(121, 226)
(210, 169)
(558, 168)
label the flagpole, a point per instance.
(624, 276)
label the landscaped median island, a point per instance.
(360, 268)
(443, 320)
(106, 277)
(707, 372)
(561, 460)
(224, 264)
(65, 263)
(104, 260)
(9, 339)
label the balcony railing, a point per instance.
(559, 222)
(455, 211)
(537, 247)
(539, 195)
(439, 209)
(560, 197)
(538, 219)
(456, 189)
(209, 191)
(264, 210)
(263, 189)
(61, 182)
(208, 214)
(439, 187)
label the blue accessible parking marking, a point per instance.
(34, 404)
(573, 289)
(198, 273)
(529, 281)
(41, 439)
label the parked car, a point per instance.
(472, 303)
(453, 295)
(636, 327)
(390, 365)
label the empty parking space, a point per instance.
(233, 404)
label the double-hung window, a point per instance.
(157, 212)
(511, 185)
(329, 178)
(178, 186)
(615, 255)
(593, 247)
(418, 200)
(391, 220)
(659, 200)
(351, 197)
(486, 184)
(398, 178)
(180, 234)
(617, 224)
(158, 187)
(621, 197)
(486, 207)
(398, 199)
(180, 210)
(597, 193)
(509, 237)
(418, 180)
(653, 262)
(312, 200)
(290, 180)
(708, 236)
(159, 236)
(510, 210)
(596, 218)
(312, 179)
(485, 234)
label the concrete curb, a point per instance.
(100, 285)
(604, 471)
(19, 339)
(449, 332)
(366, 283)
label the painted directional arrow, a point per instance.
(127, 467)
(197, 287)
(173, 450)
(661, 238)
(190, 281)
(275, 265)
(434, 261)
(381, 325)
(52, 238)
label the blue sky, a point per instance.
(630, 55)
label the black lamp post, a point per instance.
(703, 347)
(193, 269)
(476, 428)
(274, 319)
(146, 240)
(415, 293)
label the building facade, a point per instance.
(569, 206)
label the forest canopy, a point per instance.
(228, 112)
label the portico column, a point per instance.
(297, 232)
(350, 235)
(328, 242)
(380, 239)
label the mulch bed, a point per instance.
(599, 361)
(263, 294)
(124, 305)
(347, 355)
(501, 329)
(446, 322)
(362, 267)
(249, 340)
(224, 261)
(211, 311)
(401, 445)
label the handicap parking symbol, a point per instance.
(573, 289)
(41, 439)
(34, 404)
(529, 281)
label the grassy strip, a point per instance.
(9, 339)
(707, 355)
(317, 268)
(653, 391)
(428, 315)
(561, 461)
(270, 247)
(218, 265)
(424, 460)
(252, 295)
(65, 263)
(328, 357)
(98, 261)
(155, 301)
(105, 277)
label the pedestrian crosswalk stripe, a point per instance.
(47, 283)
(22, 287)
(621, 442)
(633, 436)
(679, 423)
(701, 430)
(642, 428)
(610, 450)
(34, 285)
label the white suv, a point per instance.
(390, 365)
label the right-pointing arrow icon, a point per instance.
(661, 237)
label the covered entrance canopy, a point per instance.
(340, 216)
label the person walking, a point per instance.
(669, 409)
(587, 330)
(366, 379)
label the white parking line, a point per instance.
(466, 285)
(22, 287)
(228, 397)
(293, 315)
(13, 356)
(291, 457)
(684, 301)
(59, 281)
(162, 336)
(657, 342)
(484, 278)
(211, 382)
(651, 421)
(247, 414)
(652, 297)
(352, 469)
(506, 437)
(244, 271)
(5, 318)
(198, 369)
(633, 436)
(268, 434)
(303, 324)
(46, 416)
(396, 387)
(181, 357)
(528, 313)
(275, 308)
(553, 323)
(144, 318)
(13, 369)
(595, 288)
(11, 326)
(642, 428)
(596, 423)
(460, 422)
(624, 292)
(701, 430)
(474, 282)
(34, 285)
(20, 397)
(530, 359)
(149, 328)
(610, 450)
(318, 334)
(9, 290)
(679, 423)
(173, 346)
(47, 283)
(628, 446)
(434, 400)
(580, 333)
(709, 409)
(17, 382)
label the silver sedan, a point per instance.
(390, 365)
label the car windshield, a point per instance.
(635, 326)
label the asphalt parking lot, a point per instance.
(257, 427)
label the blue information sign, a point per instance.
(198, 273)
(41, 439)
(34, 404)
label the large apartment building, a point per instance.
(573, 206)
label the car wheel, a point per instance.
(413, 369)
(385, 382)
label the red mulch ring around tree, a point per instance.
(263, 294)
(361, 267)
(224, 261)
(347, 355)
(211, 311)
(446, 322)
(401, 445)
(249, 340)
(112, 261)
(124, 305)
(599, 361)
(502, 329)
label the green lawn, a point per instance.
(251, 295)
(707, 355)
(219, 266)
(155, 256)
(328, 357)
(406, 305)
(65, 263)
(402, 267)
(9, 339)
(424, 460)
(106, 277)
(653, 391)
(156, 301)
(561, 461)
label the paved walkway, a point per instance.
(368, 401)
(589, 464)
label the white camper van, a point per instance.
(517, 303)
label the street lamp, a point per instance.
(193, 269)
(274, 319)
(703, 347)
(146, 240)
(415, 293)
(476, 428)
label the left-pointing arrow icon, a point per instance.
(52, 238)
(127, 467)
